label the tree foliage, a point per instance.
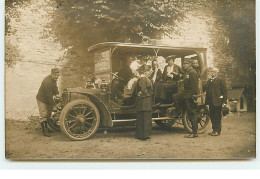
(89, 22)
(236, 45)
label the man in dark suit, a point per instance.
(144, 91)
(156, 79)
(171, 75)
(124, 75)
(216, 95)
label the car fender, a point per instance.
(105, 117)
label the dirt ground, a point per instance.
(237, 141)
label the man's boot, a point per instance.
(46, 127)
(44, 131)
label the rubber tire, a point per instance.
(67, 108)
(165, 125)
(189, 129)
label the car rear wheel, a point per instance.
(202, 119)
(79, 119)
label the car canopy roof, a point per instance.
(145, 49)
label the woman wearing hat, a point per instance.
(170, 76)
(144, 104)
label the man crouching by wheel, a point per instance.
(48, 90)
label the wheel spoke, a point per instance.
(85, 127)
(80, 108)
(75, 111)
(73, 125)
(71, 116)
(80, 130)
(88, 123)
(89, 118)
(88, 113)
(84, 110)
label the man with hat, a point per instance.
(144, 90)
(48, 90)
(216, 96)
(170, 76)
(124, 75)
(189, 95)
(196, 66)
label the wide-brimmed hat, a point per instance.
(170, 57)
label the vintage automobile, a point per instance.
(83, 110)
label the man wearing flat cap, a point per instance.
(171, 75)
(48, 90)
(190, 93)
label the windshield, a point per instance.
(102, 64)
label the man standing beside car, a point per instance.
(48, 90)
(216, 95)
(191, 91)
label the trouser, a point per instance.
(167, 87)
(143, 124)
(215, 116)
(44, 111)
(191, 108)
(178, 101)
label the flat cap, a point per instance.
(55, 70)
(187, 61)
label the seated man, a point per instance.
(156, 79)
(171, 75)
(124, 75)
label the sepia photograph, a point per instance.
(127, 80)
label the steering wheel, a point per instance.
(115, 76)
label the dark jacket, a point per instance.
(144, 94)
(191, 83)
(177, 69)
(198, 71)
(47, 90)
(214, 89)
(158, 76)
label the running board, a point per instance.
(154, 119)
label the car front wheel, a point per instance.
(79, 119)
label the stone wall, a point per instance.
(38, 56)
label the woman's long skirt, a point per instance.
(143, 124)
